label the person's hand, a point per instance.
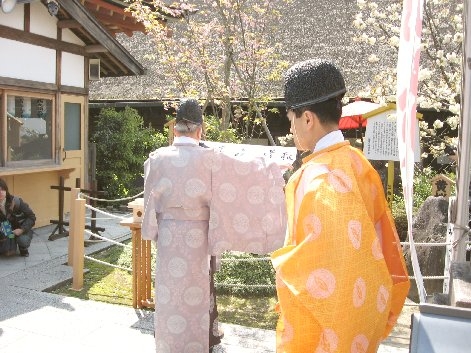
(18, 232)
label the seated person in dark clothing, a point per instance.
(16, 223)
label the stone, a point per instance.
(429, 226)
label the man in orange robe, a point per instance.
(341, 276)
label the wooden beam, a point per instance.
(39, 40)
(14, 82)
(95, 48)
(68, 24)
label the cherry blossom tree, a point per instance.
(219, 51)
(378, 25)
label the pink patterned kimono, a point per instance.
(199, 202)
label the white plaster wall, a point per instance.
(73, 70)
(41, 22)
(68, 36)
(13, 19)
(27, 62)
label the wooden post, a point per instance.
(73, 216)
(78, 246)
(141, 266)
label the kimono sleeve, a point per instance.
(149, 222)
(247, 210)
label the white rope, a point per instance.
(234, 285)
(426, 244)
(106, 213)
(431, 277)
(107, 264)
(104, 218)
(246, 259)
(115, 200)
(108, 239)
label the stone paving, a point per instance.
(34, 320)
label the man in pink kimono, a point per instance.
(198, 203)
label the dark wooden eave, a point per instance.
(86, 23)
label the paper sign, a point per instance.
(277, 154)
(381, 139)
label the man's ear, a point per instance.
(310, 119)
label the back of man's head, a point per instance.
(316, 85)
(189, 110)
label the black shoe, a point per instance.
(24, 252)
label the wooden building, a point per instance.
(51, 50)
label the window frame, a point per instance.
(4, 163)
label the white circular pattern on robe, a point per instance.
(194, 347)
(268, 224)
(227, 192)
(242, 168)
(204, 322)
(240, 222)
(288, 333)
(354, 233)
(221, 246)
(312, 226)
(276, 194)
(195, 238)
(340, 181)
(255, 195)
(181, 159)
(359, 344)
(382, 299)
(161, 346)
(177, 267)
(321, 283)
(164, 186)
(176, 324)
(357, 162)
(359, 292)
(163, 294)
(328, 341)
(193, 296)
(255, 248)
(216, 162)
(192, 212)
(195, 187)
(376, 249)
(379, 230)
(210, 162)
(165, 237)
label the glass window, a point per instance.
(29, 128)
(72, 126)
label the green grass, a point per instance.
(111, 285)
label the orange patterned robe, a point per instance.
(341, 276)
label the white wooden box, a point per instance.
(137, 209)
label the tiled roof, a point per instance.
(308, 29)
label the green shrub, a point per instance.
(122, 146)
(213, 131)
(236, 277)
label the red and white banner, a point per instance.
(407, 83)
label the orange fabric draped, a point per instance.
(341, 276)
